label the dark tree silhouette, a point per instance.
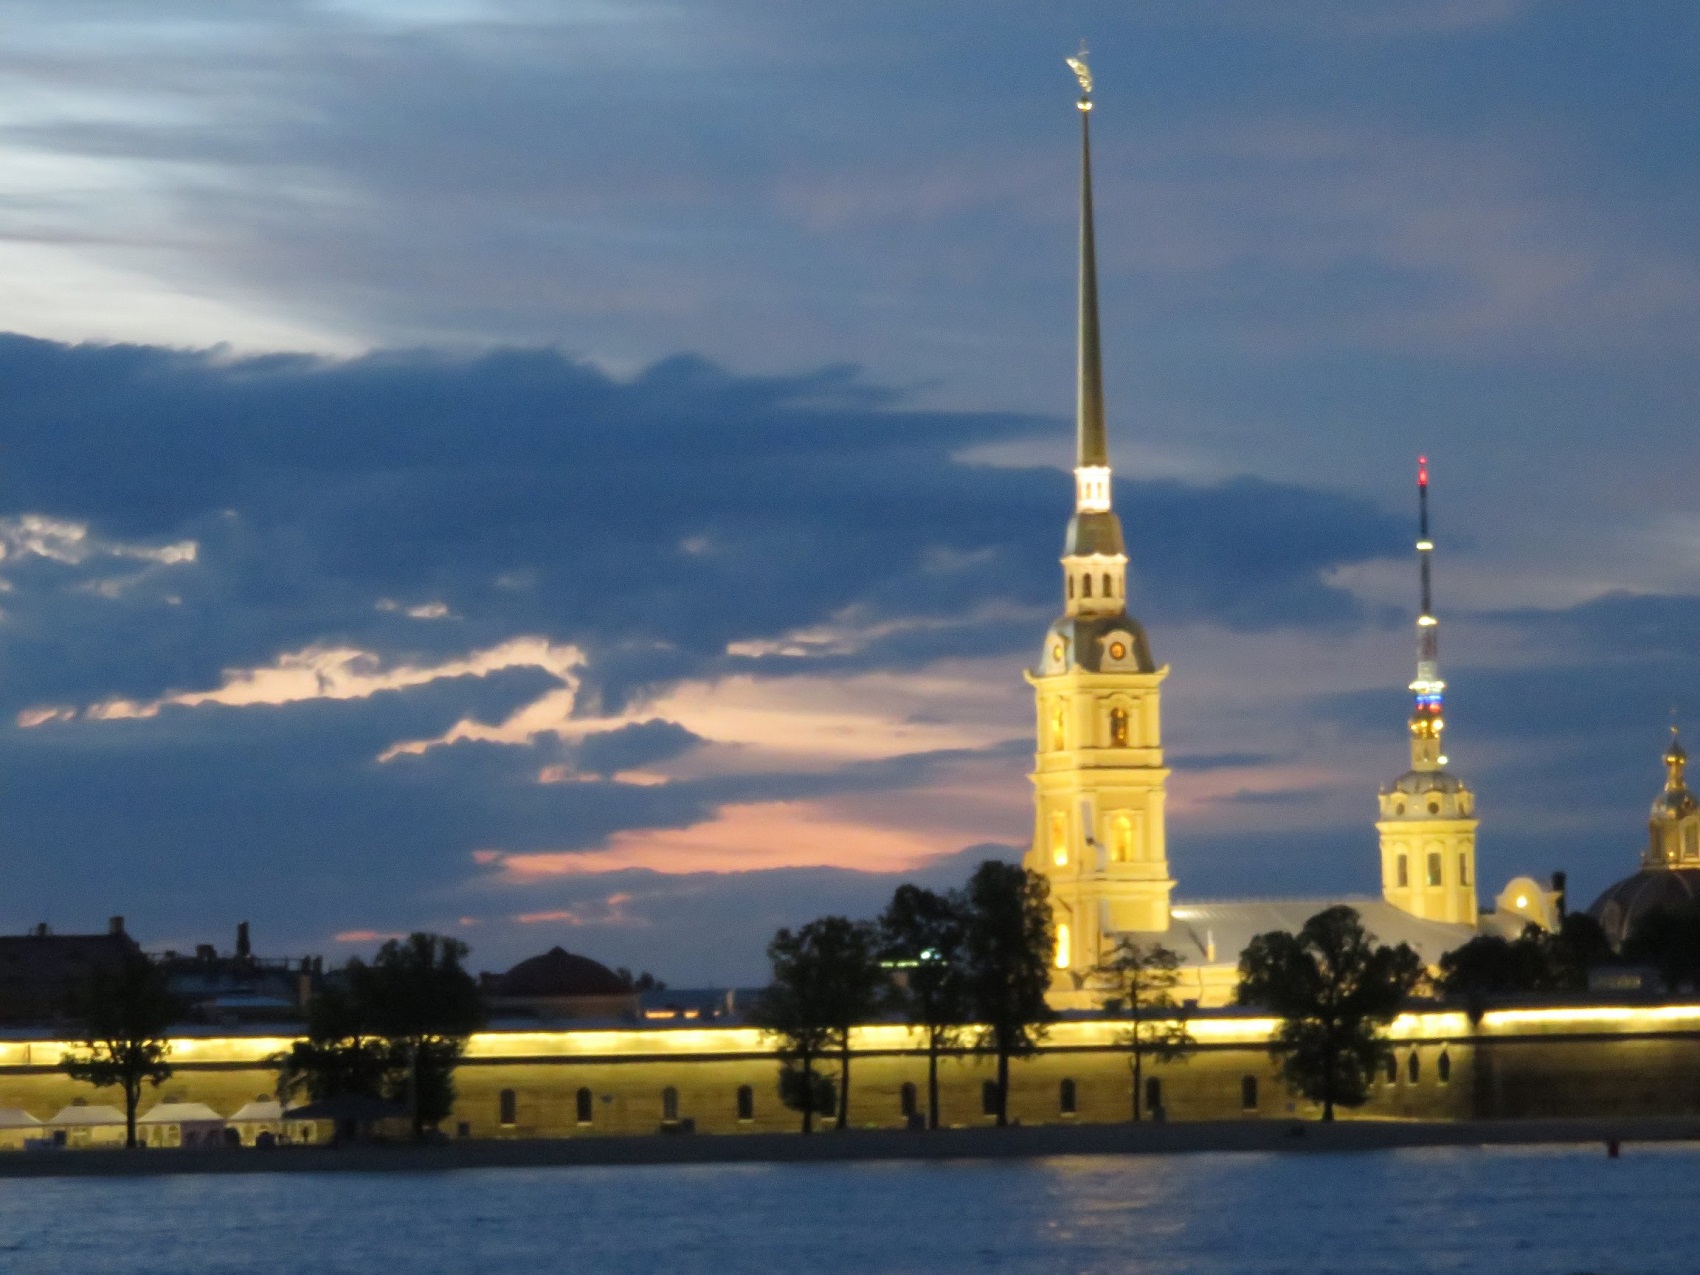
(826, 979)
(923, 936)
(1007, 949)
(1141, 980)
(124, 1013)
(394, 1029)
(1534, 961)
(1335, 990)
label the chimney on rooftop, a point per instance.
(243, 950)
(115, 925)
(41, 930)
(1558, 883)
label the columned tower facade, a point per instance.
(1098, 777)
(1428, 823)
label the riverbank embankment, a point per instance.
(859, 1144)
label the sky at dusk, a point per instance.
(593, 472)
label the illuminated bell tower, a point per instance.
(1428, 824)
(1673, 829)
(1098, 775)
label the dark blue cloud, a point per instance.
(650, 521)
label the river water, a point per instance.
(1548, 1211)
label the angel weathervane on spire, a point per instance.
(1083, 73)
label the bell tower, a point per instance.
(1428, 823)
(1098, 776)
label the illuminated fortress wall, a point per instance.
(1575, 1061)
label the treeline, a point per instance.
(971, 960)
(392, 1030)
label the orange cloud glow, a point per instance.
(742, 838)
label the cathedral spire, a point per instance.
(1427, 717)
(1092, 455)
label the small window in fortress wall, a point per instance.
(746, 1104)
(1248, 1093)
(989, 1098)
(584, 1106)
(669, 1104)
(507, 1105)
(906, 1099)
(1066, 1097)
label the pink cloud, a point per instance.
(610, 911)
(748, 837)
(367, 936)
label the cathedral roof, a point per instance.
(559, 972)
(1094, 533)
(1417, 782)
(1089, 642)
(1227, 927)
(1623, 906)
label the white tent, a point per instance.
(181, 1124)
(17, 1126)
(266, 1115)
(84, 1126)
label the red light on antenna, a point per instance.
(1422, 471)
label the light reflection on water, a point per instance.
(1545, 1211)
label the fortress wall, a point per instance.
(1579, 1061)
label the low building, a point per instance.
(228, 988)
(42, 973)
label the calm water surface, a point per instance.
(1543, 1210)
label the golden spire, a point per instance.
(1092, 450)
(1428, 714)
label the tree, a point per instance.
(1335, 990)
(922, 934)
(1535, 961)
(125, 1013)
(343, 1055)
(1142, 979)
(394, 1029)
(423, 1002)
(1007, 949)
(826, 979)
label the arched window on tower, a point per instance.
(1118, 727)
(1108, 592)
(1059, 732)
(1121, 839)
(1071, 588)
(1463, 867)
(1086, 585)
(1402, 871)
(1059, 838)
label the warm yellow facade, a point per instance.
(1580, 1060)
(1428, 855)
(1098, 834)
